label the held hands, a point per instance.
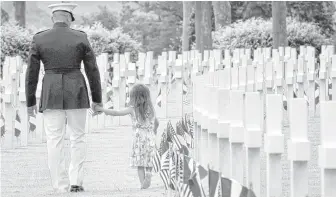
(95, 107)
(32, 110)
(99, 108)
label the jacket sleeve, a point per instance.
(32, 74)
(92, 72)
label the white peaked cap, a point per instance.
(68, 7)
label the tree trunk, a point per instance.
(186, 23)
(207, 37)
(222, 11)
(4, 16)
(198, 24)
(279, 11)
(20, 12)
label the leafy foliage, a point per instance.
(16, 40)
(4, 16)
(157, 25)
(255, 33)
(319, 12)
(106, 17)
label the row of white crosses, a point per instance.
(125, 76)
(20, 129)
(229, 108)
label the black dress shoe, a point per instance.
(76, 188)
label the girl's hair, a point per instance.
(140, 99)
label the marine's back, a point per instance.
(61, 50)
(61, 47)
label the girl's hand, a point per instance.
(99, 108)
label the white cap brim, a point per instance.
(69, 7)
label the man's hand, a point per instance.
(93, 107)
(32, 110)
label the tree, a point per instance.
(20, 12)
(207, 25)
(279, 11)
(186, 23)
(157, 25)
(105, 16)
(257, 9)
(222, 12)
(198, 28)
(319, 12)
(4, 16)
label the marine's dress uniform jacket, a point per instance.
(62, 49)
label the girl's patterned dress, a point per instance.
(143, 147)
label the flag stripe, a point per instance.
(164, 177)
(156, 162)
(159, 98)
(17, 130)
(165, 161)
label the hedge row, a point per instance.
(16, 40)
(255, 33)
(252, 33)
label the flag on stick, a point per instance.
(157, 162)
(172, 171)
(172, 135)
(2, 125)
(232, 188)
(214, 181)
(165, 178)
(330, 89)
(184, 88)
(17, 129)
(165, 159)
(195, 184)
(159, 98)
(317, 93)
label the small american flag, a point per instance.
(172, 170)
(159, 98)
(330, 89)
(165, 159)
(173, 135)
(185, 190)
(2, 125)
(157, 162)
(184, 88)
(164, 174)
(317, 93)
(32, 123)
(127, 94)
(17, 124)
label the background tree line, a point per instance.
(190, 25)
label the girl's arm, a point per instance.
(121, 112)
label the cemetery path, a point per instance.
(24, 171)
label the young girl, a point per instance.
(145, 124)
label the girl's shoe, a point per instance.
(147, 181)
(76, 188)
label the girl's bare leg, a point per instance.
(148, 177)
(141, 174)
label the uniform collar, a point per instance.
(60, 24)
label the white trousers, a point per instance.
(54, 125)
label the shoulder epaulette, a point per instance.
(42, 31)
(79, 30)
